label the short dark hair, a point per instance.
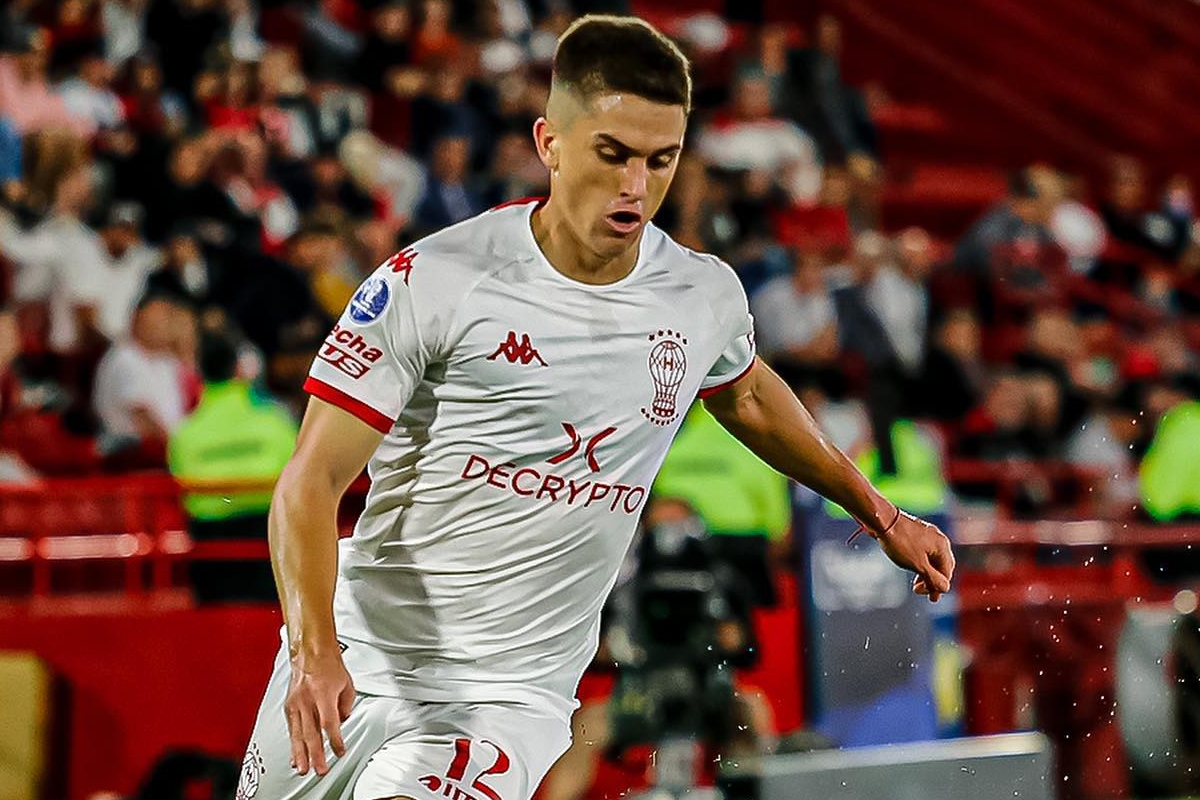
(218, 358)
(601, 53)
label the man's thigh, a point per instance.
(267, 772)
(464, 751)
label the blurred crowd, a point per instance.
(179, 172)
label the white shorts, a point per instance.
(404, 748)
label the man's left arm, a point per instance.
(762, 412)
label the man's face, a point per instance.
(611, 166)
(119, 238)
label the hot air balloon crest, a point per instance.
(668, 365)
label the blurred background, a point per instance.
(968, 236)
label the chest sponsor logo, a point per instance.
(518, 351)
(402, 263)
(668, 366)
(536, 485)
(370, 300)
(349, 352)
(589, 452)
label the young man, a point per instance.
(514, 382)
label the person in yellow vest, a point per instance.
(1169, 477)
(918, 485)
(744, 503)
(232, 436)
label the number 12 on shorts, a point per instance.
(450, 785)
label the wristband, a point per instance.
(862, 528)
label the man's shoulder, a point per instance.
(691, 265)
(456, 258)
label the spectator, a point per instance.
(26, 98)
(124, 29)
(88, 94)
(1054, 349)
(917, 483)
(1107, 442)
(12, 468)
(131, 262)
(882, 318)
(899, 296)
(387, 46)
(1170, 486)
(151, 108)
(515, 170)
(289, 118)
(1015, 225)
(751, 137)
(448, 198)
(825, 225)
(139, 395)
(63, 264)
(795, 316)
(817, 98)
(331, 193)
(191, 27)
(954, 371)
(12, 189)
(1165, 233)
(744, 503)
(316, 252)
(442, 109)
(185, 274)
(1076, 228)
(997, 429)
(395, 179)
(232, 436)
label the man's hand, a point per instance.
(916, 545)
(319, 698)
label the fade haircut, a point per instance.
(600, 54)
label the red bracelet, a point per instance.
(862, 528)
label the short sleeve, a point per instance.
(372, 361)
(737, 355)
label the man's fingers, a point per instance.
(932, 572)
(331, 724)
(299, 754)
(345, 703)
(313, 743)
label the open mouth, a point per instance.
(624, 221)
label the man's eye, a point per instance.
(611, 156)
(662, 162)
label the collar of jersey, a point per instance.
(544, 263)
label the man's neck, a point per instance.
(568, 255)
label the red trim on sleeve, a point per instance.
(706, 393)
(520, 201)
(335, 396)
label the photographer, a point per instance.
(677, 625)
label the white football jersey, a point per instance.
(526, 415)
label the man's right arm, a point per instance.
(332, 448)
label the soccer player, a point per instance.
(512, 384)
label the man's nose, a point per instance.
(633, 179)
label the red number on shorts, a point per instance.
(458, 767)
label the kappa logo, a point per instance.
(402, 262)
(516, 351)
(589, 452)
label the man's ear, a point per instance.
(545, 139)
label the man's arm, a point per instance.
(332, 448)
(765, 415)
